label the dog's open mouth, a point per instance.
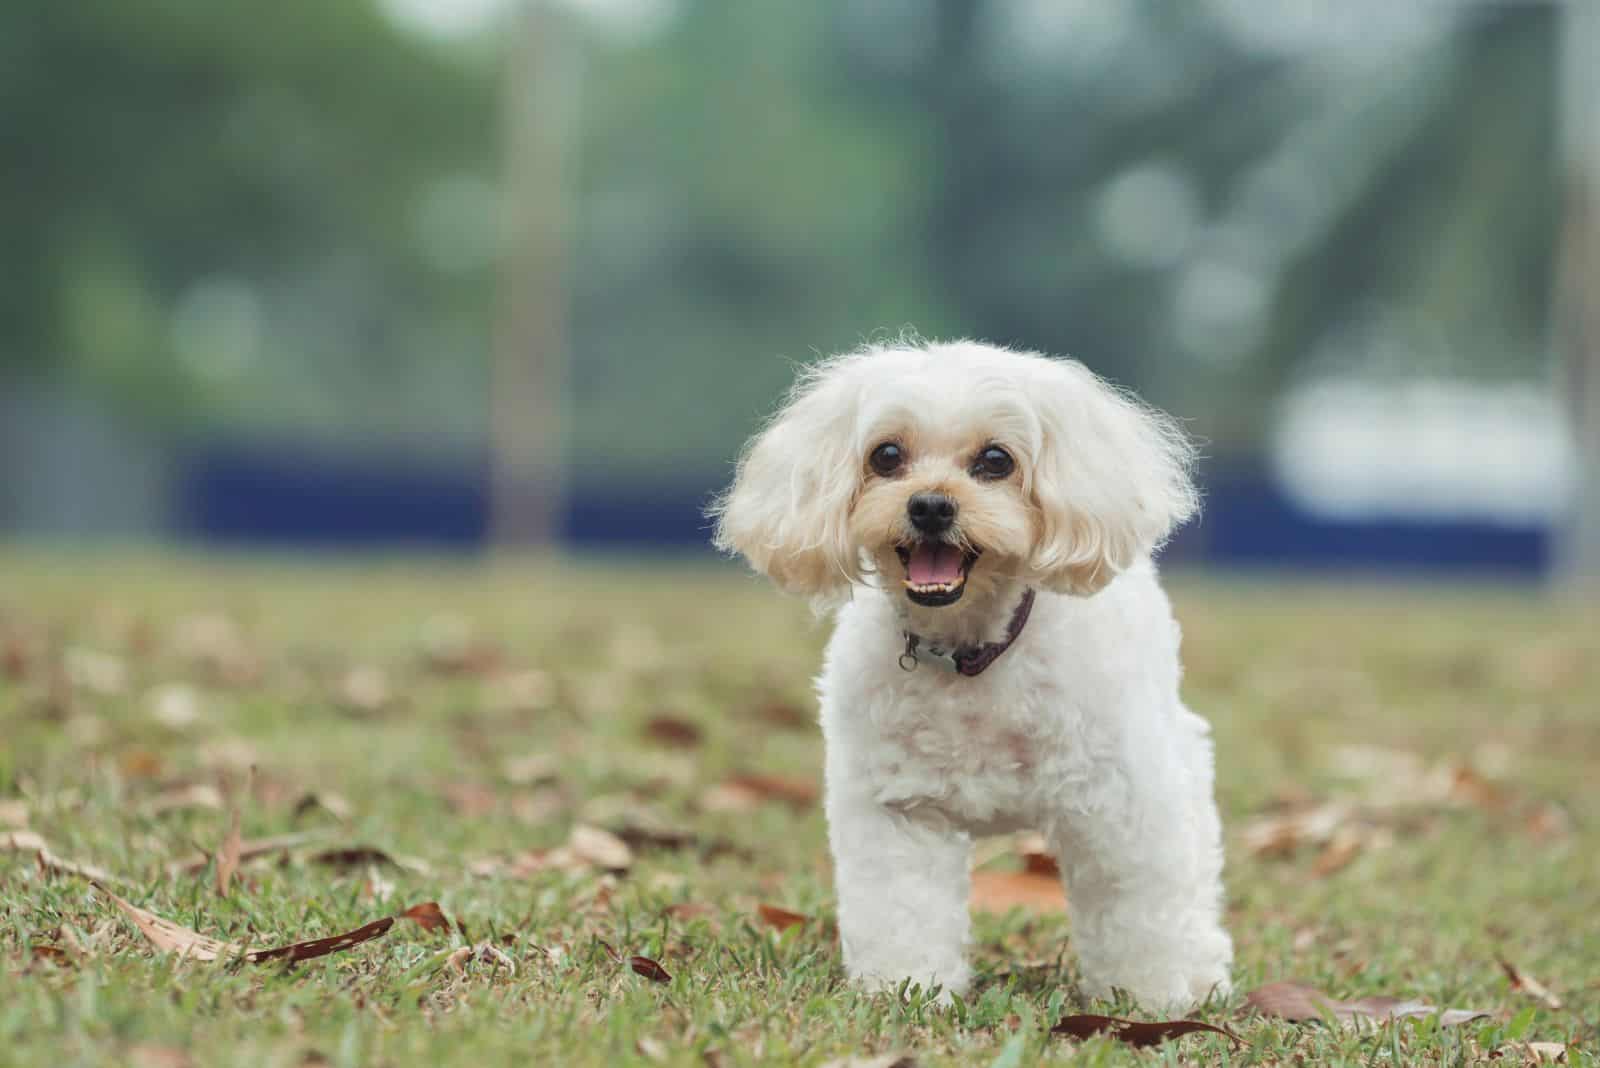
(936, 573)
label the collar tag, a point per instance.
(967, 661)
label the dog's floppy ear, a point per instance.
(1110, 483)
(788, 510)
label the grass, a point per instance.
(387, 685)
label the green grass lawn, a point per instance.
(458, 722)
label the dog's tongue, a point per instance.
(934, 563)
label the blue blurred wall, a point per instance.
(288, 496)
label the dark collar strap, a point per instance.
(968, 660)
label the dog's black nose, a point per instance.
(931, 513)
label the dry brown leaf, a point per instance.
(780, 919)
(1281, 834)
(1298, 1001)
(1002, 891)
(365, 690)
(326, 801)
(650, 969)
(249, 849)
(228, 854)
(1137, 1032)
(172, 938)
(362, 855)
(55, 955)
(428, 915)
(1547, 1052)
(531, 769)
(887, 1060)
(690, 910)
(191, 795)
(16, 658)
(22, 841)
(148, 1055)
(1547, 822)
(140, 764)
(741, 793)
(673, 731)
(13, 813)
(1341, 849)
(518, 693)
(62, 866)
(600, 848)
(1521, 980)
(471, 799)
(91, 671)
(787, 715)
(176, 706)
(450, 648)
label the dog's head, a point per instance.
(946, 468)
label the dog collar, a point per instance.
(968, 660)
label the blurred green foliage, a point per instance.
(289, 218)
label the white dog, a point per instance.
(1004, 657)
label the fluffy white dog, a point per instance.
(1004, 657)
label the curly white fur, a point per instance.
(1078, 731)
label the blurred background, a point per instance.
(463, 273)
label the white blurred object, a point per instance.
(1426, 449)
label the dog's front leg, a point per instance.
(1143, 871)
(902, 887)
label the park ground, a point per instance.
(605, 775)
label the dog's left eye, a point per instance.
(993, 462)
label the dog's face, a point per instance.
(942, 508)
(940, 471)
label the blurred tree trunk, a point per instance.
(528, 378)
(1578, 311)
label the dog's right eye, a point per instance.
(887, 458)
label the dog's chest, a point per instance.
(973, 758)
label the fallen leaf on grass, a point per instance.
(428, 915)
(672, 731)
(1298, 1001)
(178, 798)
(689, 910)
(358, 856)
(53, 954)
(147, 1055)
(741, 793)
(650, 969)
(365, 690)
(1547, 1052)
(1136, 1032)
(172, 938)
(228, 854)
(450, 648)
(787, 715)
(62, 866)
(13, 813)
(888, 1060)
(1280, 834)
(326, 801)
(249, 849)
(22, 841)
(530, 769)
(1001, 891)
(484, 953)
(780, 919)
(175, 706)
(600, 848)
(1521, 980)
